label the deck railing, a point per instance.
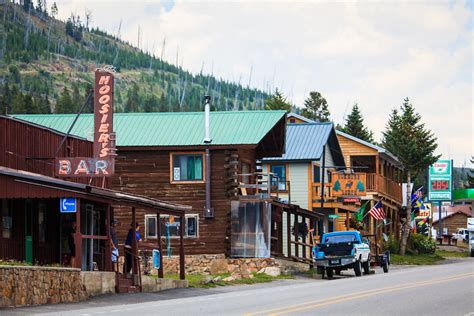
(327, 192)
(261, 184)
(384, 186)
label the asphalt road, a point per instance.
(446, 289)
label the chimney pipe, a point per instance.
(208, 211)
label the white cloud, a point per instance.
(375, 53)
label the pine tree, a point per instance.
(64, 104)
(163, 107)
(316, 107)
(414, 145)
(18, 105)
(132, 99)
(355, 126)
(151, 104)
(470, 176)
(277, 102)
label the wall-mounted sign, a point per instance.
(176, 174)
(333, 216)
(68, 205)
(348, 184)
(104, 140)
(440, 181)
(350, 199)
(83, 167)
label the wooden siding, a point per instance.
(147, 173)
(453, 222)
(351, 148)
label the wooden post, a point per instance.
(108, 248)
(288, 233)
(160, 247)
(182, 273)
(295, 227)
(78, 236)
(134, 242)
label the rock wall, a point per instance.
(217, 264)
(98, 282)
(20, 286)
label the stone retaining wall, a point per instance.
(98, 282)
(217, 264)
(24, 285)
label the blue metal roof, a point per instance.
(305, 141)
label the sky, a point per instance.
(373, 53)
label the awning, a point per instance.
(22, 184)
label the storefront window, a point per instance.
(7, 220)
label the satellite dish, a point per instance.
(385, 237)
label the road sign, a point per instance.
(440, 181)
(68, 205)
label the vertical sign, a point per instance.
(104, 140)
(440, 181)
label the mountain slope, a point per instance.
(47, 65)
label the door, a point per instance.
(29, 232)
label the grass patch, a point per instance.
(452, 254)
(423, 259)
(197, 280)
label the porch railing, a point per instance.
(317, 187)
(260, 184)
(384, 186)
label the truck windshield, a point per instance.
(339, 238)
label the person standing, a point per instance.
(114, 241)
(128, 246)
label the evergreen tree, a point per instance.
(316, 107)
(18, 105)
(151, 103)
(277, 102)
(132, 99)
(470, 176)
(414, 145)
(355, 126)
(163, 107)
(64, 104)
(77, 100)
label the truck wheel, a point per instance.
(385, 267)
(366, 266)
(329, 273)
(338, 272)
(357, 268)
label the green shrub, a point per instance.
(424, 244)
(391, 245)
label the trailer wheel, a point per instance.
(366, 266)
(329, 273)
(385, 266)
(357, 268)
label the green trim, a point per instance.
(463, 194)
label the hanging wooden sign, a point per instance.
(348, 184)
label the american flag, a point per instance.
(377, 211)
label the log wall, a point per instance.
(148, 173)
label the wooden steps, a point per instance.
(124, 284)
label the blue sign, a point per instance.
(156, 258)
(68, 205)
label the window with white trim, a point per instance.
(170, 225)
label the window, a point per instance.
(7, 220)
(171, 225)
(316, 174)
(280, 171)
(187, 167)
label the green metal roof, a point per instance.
(170, 129)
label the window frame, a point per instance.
(189, 153)
(186, 216)
(286, 175)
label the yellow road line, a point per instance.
(336, 299)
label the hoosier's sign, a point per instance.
(102, 164)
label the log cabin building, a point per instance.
(163, 156)
(35, 225)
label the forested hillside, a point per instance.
(46, 65)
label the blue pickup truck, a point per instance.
(345, 250)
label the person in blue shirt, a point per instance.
(114, 241)
(128, 246)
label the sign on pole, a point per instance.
(440, 181)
